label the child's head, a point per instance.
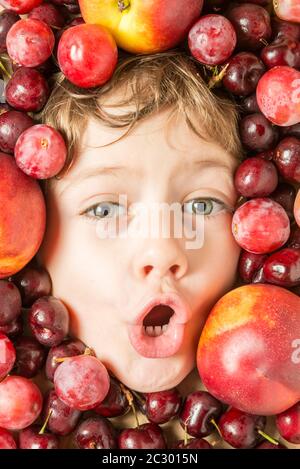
(162, 138)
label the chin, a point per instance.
(146, 379)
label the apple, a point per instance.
(249, 350)
(143, 26)
(297, 208)
(288, 10)
(22, 217)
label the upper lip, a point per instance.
(181, 309)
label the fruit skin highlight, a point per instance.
(22, 217)
(143, 26)
(247, 353)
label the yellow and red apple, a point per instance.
(249, 351)
(22, 217)
(143, 26)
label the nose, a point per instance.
(161, 257)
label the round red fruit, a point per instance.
(81, 382)
(212, 39)
(30, 42)
(260, 226)
(40, 151)
(87, 54)
(20, 402)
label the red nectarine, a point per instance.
(22, 217)
(143, 27)
(249, 351)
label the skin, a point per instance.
(102, 281)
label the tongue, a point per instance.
(158, 316)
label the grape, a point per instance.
(41, 152)
(30, 42)
(20, 402)
(260, 226)
(49, 14)
(81, 382)
(7, 355)
(278, 95)
(20, 6)
(7, 440)
(212, 39)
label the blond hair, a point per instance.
(151, 83)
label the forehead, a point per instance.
(164, 135)
(162, 144)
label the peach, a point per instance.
(249, 350)
(143, 26)
(22, 217)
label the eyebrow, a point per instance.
(116, 170)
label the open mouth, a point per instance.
(158, 331)
(157, 320)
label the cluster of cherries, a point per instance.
(34, 325)
(84, 398)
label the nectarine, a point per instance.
(143, 26)
(249, 351)
(22, 217)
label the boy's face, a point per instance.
(106, 282)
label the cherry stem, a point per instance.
(87, 351)
(139, 398)
(123, 5)
(4, 70)
(268, 437)
(214, 423)
(60, 359)
(42, 430)
(129, 397)
(217, 78)
(185, 434)
(263, 41)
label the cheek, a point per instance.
(214, 267)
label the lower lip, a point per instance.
(163, 346)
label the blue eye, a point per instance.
(104, 210)
(204, 206)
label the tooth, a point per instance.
(150, 331)
(158, 330)
(165, 327)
